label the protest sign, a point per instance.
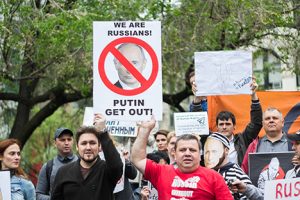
(115, 128)
(120, 184)
(191, 122)
(5, 189)
(269, 166)
(127, 70)
(283, 189)
(223, 72)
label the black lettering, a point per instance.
(120, 24)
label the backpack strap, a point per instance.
(49, 167)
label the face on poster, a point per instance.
(269, 166)
(223, 72)
(127, 70)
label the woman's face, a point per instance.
(11, 157)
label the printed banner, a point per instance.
(127, 70)
(191, 122)
(115, 128)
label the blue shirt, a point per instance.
(21, 189)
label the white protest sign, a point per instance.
(127, 70)
(115, 128)
(5, 185)
(120, 184)
(282, 189)
(153, 192)
(191, 122)
(223, 72)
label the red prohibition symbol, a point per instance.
(111, 48)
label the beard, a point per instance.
(89, 160)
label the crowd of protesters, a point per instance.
(187, 166)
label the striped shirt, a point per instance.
(232, 171)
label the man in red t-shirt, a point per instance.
(189, 180)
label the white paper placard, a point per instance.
(191, 123)
(223, 72)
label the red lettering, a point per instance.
(297, 188)
(278, 190)
(287, 189)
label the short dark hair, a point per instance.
(225, 115)
(86, 129)
(157, 156)
(188, 137)
(161, 132)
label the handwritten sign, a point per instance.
(223, 72)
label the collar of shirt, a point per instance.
(65, 159)
(124, 86)
(282, 139)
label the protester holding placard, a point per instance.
(188, 180)
(275, 139)
(90, 177)
(10, 158)
(226, 122)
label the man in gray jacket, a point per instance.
(63, 140)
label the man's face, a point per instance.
(171, 145)
(88, 147)
(272, 122)
(226, 127)
(11, 157)
(296, 148)
(134, 55)
(64, 144)
(161, 142)
(187, 155)
(213, 151)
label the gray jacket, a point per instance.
(42, 186)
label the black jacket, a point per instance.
(100, 182)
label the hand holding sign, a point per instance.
(99, 122)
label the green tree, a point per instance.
(46, 46)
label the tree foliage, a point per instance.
(46, 46)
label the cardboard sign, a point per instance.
(153, 192)
(127, 70)
(283, 189)
(191, 123)
(115, 128)
(223, 72)
(269, 166)
(5, 189)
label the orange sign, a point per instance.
(287, 102)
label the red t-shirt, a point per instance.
(171, 184)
